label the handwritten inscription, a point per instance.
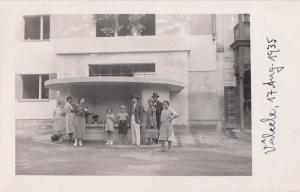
(269, 122)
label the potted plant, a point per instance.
(109, 24)
(135, 24)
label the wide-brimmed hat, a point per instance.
(155, 95)
(135, 96)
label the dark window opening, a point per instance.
(37, 27)
(33, 86)
(122, 70)
(46, 27)
(45, 91)
(30, 86)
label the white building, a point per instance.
(186, 59)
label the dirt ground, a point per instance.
(197, 155)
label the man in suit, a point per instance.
(136, 119)
(159, 107)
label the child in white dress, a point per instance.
(109, 126)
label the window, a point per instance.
(245, 17)
(33, 86)
(37, 27)
(109, 25)
(122, 69)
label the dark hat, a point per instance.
(135, 96)
(155, 95)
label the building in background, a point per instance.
(201, 63)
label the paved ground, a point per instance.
(203, 155)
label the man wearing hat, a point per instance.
(136, 118)
(159, 107)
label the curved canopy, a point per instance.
(60, 83)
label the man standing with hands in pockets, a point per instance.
(136, 118)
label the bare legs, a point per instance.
(169, 145)
(70, 137)
(163, 146)
(77, 141)
(109, 138)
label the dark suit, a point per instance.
(138, 112)
(159, 107)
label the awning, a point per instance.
(60, 83)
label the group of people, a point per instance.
(69, 119)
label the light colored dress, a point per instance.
(166, 132)
(69, 118)
(59, 121)
(109, 124)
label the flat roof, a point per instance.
(61, 83)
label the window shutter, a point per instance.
(52, 93)
(18, 86)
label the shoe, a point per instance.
(75, 144)
(80, 143)
(111, 142)
(107, 142)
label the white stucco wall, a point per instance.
(192, 58)
(35, 109)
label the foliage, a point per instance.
(135, 23)
(109, 24)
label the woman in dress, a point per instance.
(79, 121)
(151, 123)
(70, 118)
(59, 121)
(166, 133)
(109, 125)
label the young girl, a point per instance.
(59, 121)
(166, 130)
(109, 125)
(123, 124)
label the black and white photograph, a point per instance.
(149, 96)
(133, 94)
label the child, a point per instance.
(59, 121)
(123, 122)
(166, 130)
(109, 125)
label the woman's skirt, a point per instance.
(70, 123)
(79, 128)
(166, 132)
(59, 126)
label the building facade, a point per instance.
(187, 59)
